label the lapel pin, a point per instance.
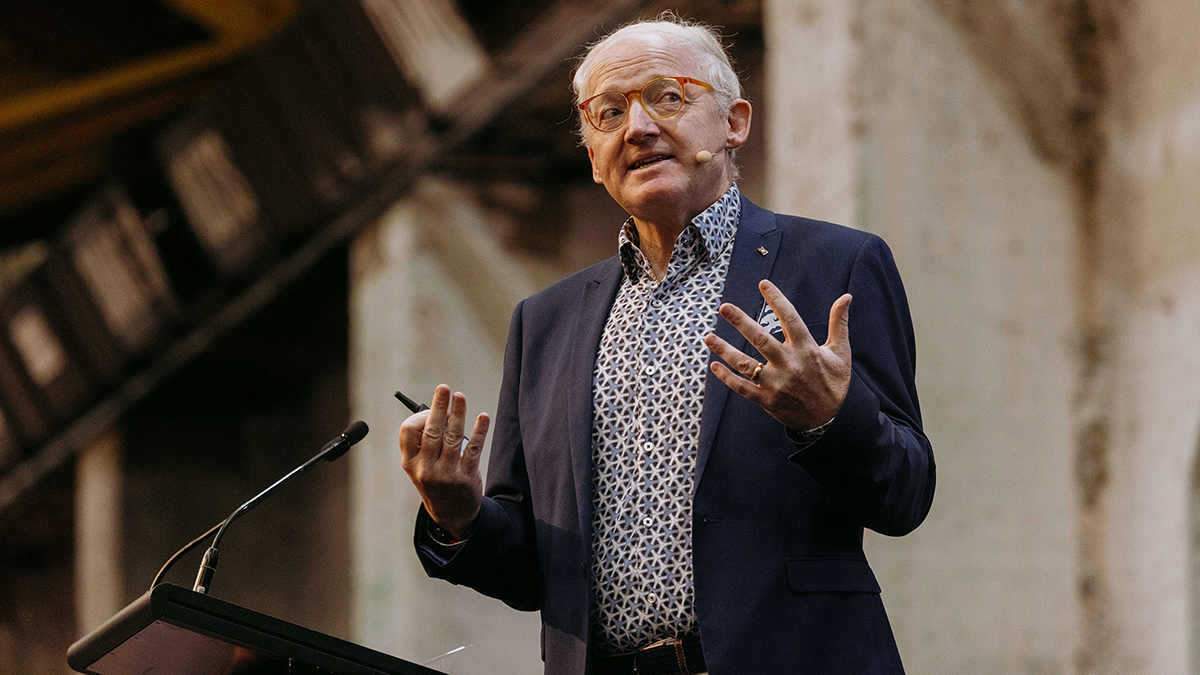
(762, 251)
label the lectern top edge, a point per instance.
(175, 630)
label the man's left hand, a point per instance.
(802, 384)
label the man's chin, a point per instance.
(654, 187)
(656, 206)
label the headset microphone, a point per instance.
(704, 156)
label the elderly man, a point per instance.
(661, 524)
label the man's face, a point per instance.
(649, 165)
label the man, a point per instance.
(631, 498)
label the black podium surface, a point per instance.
(175, 631)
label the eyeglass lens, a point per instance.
(662, 97)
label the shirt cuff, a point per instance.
(803, 439)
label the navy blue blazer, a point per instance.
(781, 581)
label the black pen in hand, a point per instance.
(418, 407)
(411, 404)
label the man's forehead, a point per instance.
(640, 58)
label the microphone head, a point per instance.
(703, 157)
(355, 432)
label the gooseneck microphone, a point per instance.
(338, 446)
(704, 156)
(332, 450)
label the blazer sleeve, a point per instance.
(874, 458)
(499, 559)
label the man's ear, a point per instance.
(739, 123)
(595, 174)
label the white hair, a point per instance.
(701, 41)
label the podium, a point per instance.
(175, 631)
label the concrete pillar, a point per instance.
(812, 151)
(432, 289)
(1192, 582)
(883, 118)
(99, 572)
(1150, 287)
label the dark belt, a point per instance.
(668, 657)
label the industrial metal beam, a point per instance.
(532, 55)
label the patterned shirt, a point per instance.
(648, 392)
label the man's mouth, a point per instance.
(647, 161)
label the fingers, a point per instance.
(839, 324)
(437, 434)
(411, 432)
(731, 355)
(453, 440)
(435, 425)
(805, 383)
(758, 336)
(794, 330)
(736, 382)
(474, 448)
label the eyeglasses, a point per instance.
(661, 97)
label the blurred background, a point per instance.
(229, 227)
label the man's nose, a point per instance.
(640, 124)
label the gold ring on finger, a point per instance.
(757, 371)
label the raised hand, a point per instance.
(802, 384)
(444, 470)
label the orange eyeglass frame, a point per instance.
(683, 82)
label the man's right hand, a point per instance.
(445, 472)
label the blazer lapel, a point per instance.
(756, 232)
(595, 304)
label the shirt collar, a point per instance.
(716, 226)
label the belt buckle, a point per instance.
(673, 641)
